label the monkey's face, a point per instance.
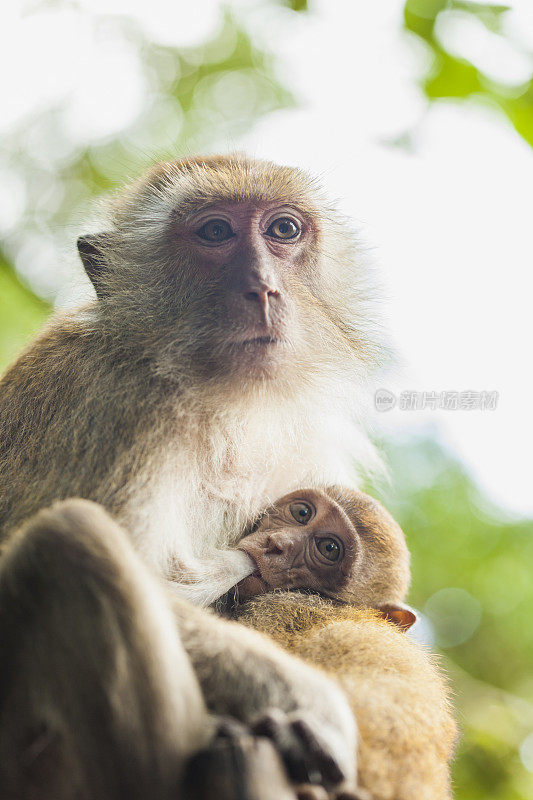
(228, 268)
(304, 541)
(246, 259)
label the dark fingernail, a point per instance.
(314, 776)
(265, 727)
(299, 772)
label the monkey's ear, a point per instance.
(403, 616)
(92, 253)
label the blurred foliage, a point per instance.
(445, 26)
(194, 97)
(472, 570)
(21, 313)
(296, 5)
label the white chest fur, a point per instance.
(206, 490)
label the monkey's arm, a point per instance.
(399, 698)
(246, 676)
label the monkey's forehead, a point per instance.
(188, 184)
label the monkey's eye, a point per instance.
(329, 548)
(216, 230)
(302, 512)
(284, 228)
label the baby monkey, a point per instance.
(336, 542)
(346, 548)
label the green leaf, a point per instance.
(21, 313)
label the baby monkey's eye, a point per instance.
(329, 549)
(302, 512)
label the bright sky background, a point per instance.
(451, 219)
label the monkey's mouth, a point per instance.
(257, 571)
(252, 585)
(260, 356)
(257, 575)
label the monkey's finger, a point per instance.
(269, 723)
(245, 768)
(230, 728)
(275, 725)
(321, 757)
(308, 791)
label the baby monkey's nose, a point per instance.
(276, 543)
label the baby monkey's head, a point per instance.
(335, 541)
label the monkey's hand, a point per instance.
(244, 675)
(307, 757)
(237, 765)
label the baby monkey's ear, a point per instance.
(400, 614)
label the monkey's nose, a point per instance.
(262, 297)
(274, 545)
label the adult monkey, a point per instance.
(219, 368)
